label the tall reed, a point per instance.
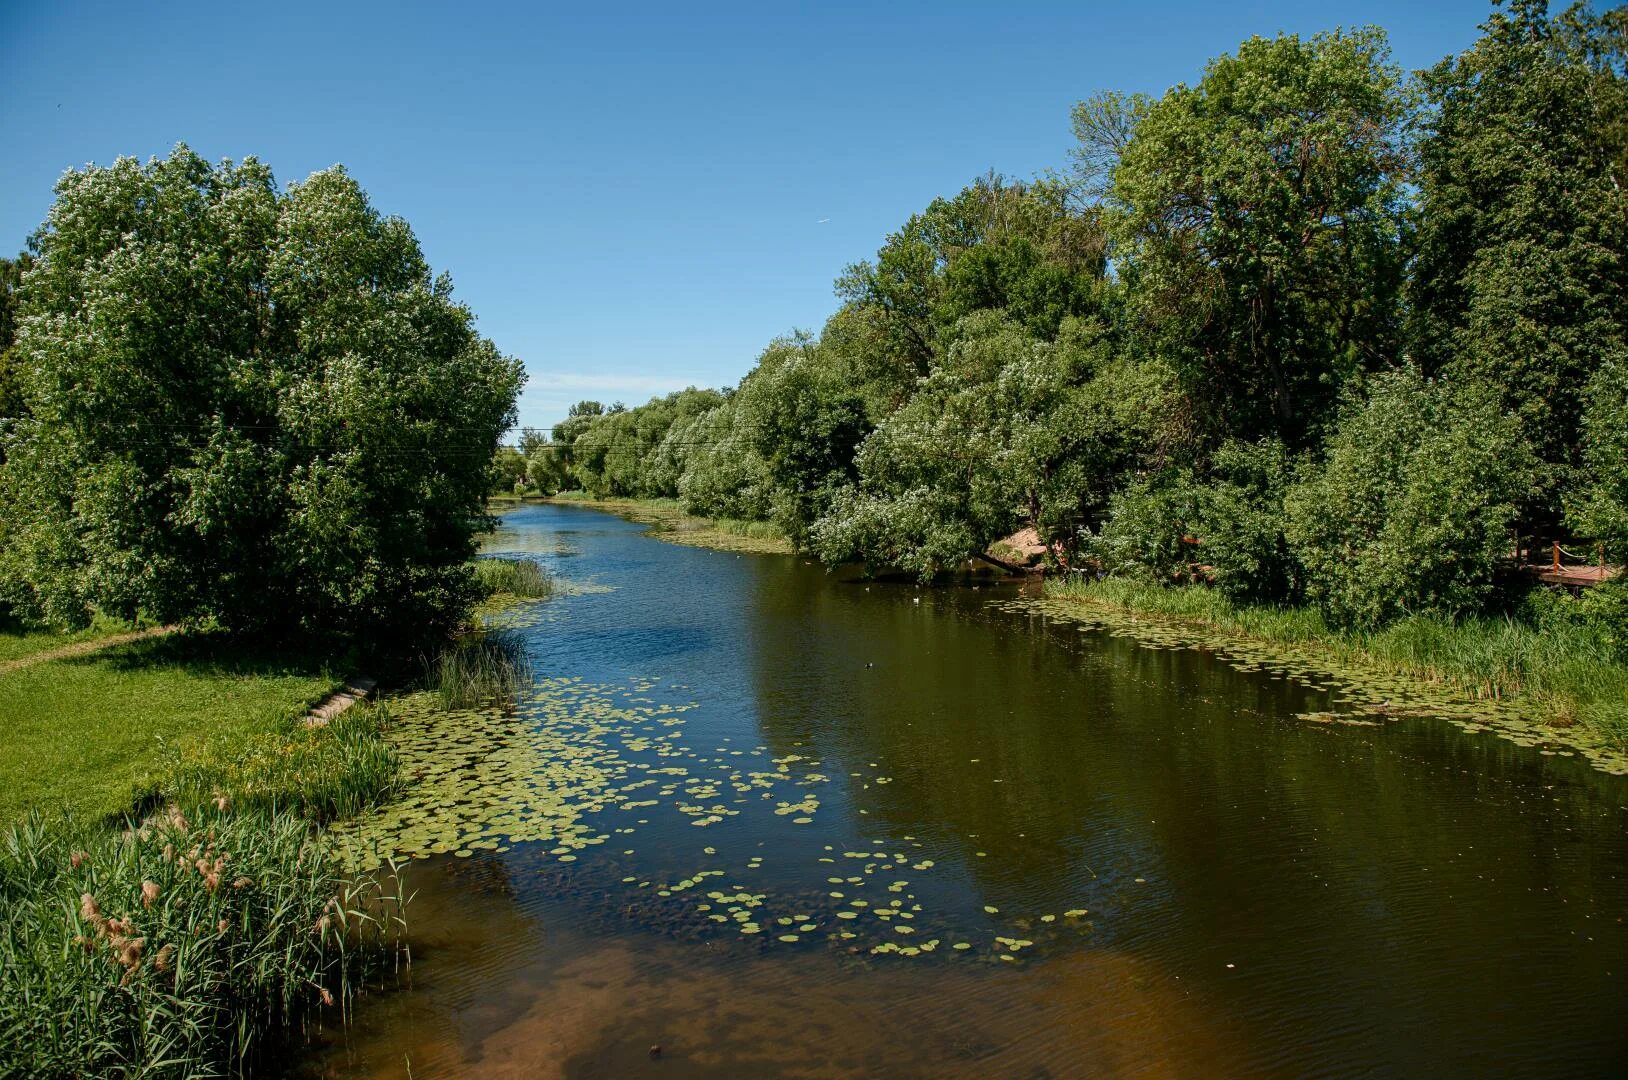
(177, 946)
(480, 669)
(522, 578)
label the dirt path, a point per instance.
(81, 648)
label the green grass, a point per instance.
(85, 734)
(519, 579)
(17, 642)
(1566, 671)
(325, 773)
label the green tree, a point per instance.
(1259, 229)
(1599, 506)
(507, 472)
(246, 405)
(11, 388)
(1412, 509)
(1521, 279)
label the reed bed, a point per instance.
(519, 578)
(1569, 669)
(480, 669)
(180, 945)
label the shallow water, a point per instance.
(1154, 864)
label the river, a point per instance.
(764, 820)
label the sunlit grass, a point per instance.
(325, 773)
(85, 734)
(18, 642)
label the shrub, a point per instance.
(1240, 522)
(1144, 534)
(1411, 510)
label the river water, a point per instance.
(780, 822)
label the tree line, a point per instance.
(1337, 333)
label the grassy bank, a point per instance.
(1563, 673)
(84, 734)
(193, 937)
(668, 521)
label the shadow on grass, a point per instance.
(217, 653)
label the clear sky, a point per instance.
(632, 198)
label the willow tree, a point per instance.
(246, 406)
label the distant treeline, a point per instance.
(1336, 333)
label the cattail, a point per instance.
(88, 909)
(77, 859)
(149, 893)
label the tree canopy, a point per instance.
(243, 405)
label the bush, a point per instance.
(1601, 508)
(1411, 510)
(1144, 534)
(1240, 523)
(177, 947)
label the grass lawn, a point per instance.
(84, 733)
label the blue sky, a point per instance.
(632, 198)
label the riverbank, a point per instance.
(669, 522)
(173, 793)
(1560, 683)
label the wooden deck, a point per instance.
(1575, 577)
